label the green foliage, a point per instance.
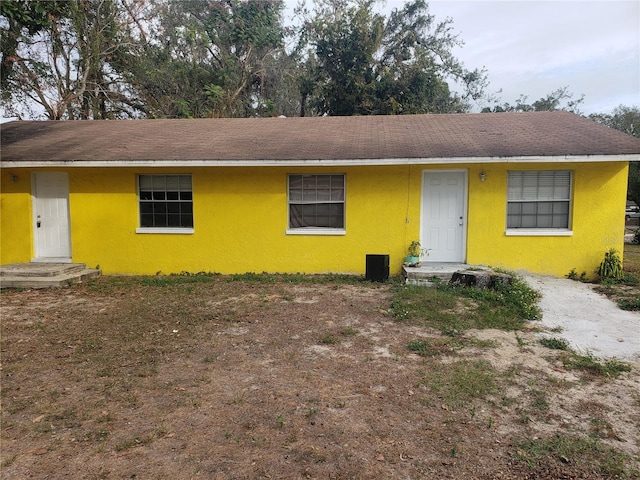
(296, 278)
(573, 275)
(170, 280)
(415, 249)
(611, 266)
(456, 309)
(593, 456)
(630, 304)
(252, 277)
(459, 383)
(623, 118)
(560, 99)
(365, 63)
(627, 120)
(329, 339)
(23, 16)
(348, 331)
(555, 343)
(434, 347)
(517, 297)
(447, 345)
(590, 365)
(419, 346)
(59, 56)
(180, 59)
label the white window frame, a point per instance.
(167, 229)
(531, 197)
(316, 230)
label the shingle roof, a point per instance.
(271, 140)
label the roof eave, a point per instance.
(634, 157)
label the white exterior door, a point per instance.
(51, 217)
(443, 219)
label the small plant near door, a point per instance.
(414, 252)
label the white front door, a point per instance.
(443, 219)
(51, 217)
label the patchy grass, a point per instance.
(140, 376)
(452, 310)
(586, 363)
(626, 290)
(555, 343)
(462, 382)
(594, 367)
(586, 455)
(329, 339)
(632, 258)
(443, 346)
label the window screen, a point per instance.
(539, 199)
(316, 201)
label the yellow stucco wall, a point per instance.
(15, 216)
(240, 219)
(597, 221)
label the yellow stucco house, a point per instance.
(543, 191)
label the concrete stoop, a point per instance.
(427, 272)
(44, 275)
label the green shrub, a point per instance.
(573, 275)
(611, 266)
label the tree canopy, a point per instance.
(627, 120)
(560, 99)
(99, 59)
(364, 63)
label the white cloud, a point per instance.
(535, 47)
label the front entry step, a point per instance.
(44, 275)
(427, 272)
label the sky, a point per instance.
(535, 47)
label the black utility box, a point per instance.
(377, 268)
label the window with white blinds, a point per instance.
(539, 199)
(316, 201)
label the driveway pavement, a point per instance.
(590, 322)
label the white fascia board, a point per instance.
(320, 162)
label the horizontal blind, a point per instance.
(539, 186)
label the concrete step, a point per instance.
(44, 275)
(426, 272)
(40, 269)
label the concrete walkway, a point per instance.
(590, 322)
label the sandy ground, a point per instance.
(157, 378)
(589, 321)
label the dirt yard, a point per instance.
(179, 378)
